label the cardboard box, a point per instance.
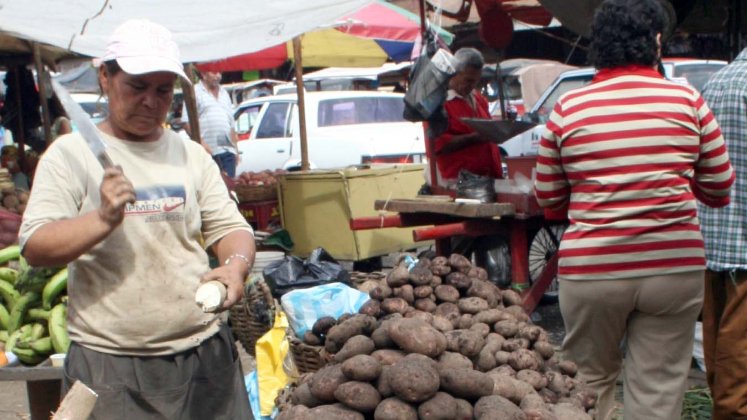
(316, 208)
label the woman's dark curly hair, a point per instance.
(624, 33)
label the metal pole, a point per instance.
(41, 79)
(499, 79)
(298, 63)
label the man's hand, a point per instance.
(231, 277)
(116, 191)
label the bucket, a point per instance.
(262, 259)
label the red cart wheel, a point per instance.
(543, 247)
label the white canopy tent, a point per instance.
(203, 30)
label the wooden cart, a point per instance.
(515, 216)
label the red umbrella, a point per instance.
(393, 29)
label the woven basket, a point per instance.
(253, 316)
(307, 358)
(251, 193)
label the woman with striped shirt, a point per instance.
(627, 156)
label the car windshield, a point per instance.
(346, 111)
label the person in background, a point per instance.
(460, 147)
(134, 237)
(215, 112)
(627, 156)
(725, 233)
(60, 122)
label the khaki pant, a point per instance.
(651, 320)
(725, 342)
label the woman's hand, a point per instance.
(116, 191)
(232, 277)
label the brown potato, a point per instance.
(459, 280)
(417, 336)
(544, 349)
(420, 276)
(302, 396)
(388, 356)
(466, 383)
(524, 359)
(360, 396)
(460, 263)
(464, 410)
(442, 324)
(394, 409)
(334, 412)
(533, 378)
(511, 297)
(322, 325)
(495, 407)
(451, 360)
(413, 379)
(394, 305)
(446, 293)
(472, 305)
(506, 328)
(398, 277)
(372, 308)
(311, 339)
(422, 292)
(567, 367)
(325, 381)
(425, 305)
(361, 367)
(441, 406)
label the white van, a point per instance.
(343, 128)
(684, 70)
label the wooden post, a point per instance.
(188, 91)
(297, 57)
(20, 136)
(41, 79)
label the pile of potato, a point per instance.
(438, 341)
(13, 200)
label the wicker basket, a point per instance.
(253, 316)
(251, 193)
(307, 358)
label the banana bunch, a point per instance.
(33, 310)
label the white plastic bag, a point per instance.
(304, 306)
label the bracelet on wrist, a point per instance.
(241, 257)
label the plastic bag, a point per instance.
(476, 187)
(429, 80)
(304, 307)
(271, 350)
(294, 273)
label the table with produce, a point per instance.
(33, 329)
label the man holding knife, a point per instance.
(131, 235)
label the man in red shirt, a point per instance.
(460, 147)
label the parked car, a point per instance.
(343, 128)
(684, 70)
(95, 105)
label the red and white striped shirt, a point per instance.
(627, 156)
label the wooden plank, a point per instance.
(454, 209)
(42, 372)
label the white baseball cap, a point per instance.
(140, 46)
